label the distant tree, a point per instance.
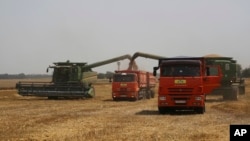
(4, 76)
(109, 74)
(239, 70)
(100, 75)
(21, 76)
(246, 72)
(106, 75)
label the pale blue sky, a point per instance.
(36, 33)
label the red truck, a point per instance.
(133, 85)
(184, 83)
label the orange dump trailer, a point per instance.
(133, 85)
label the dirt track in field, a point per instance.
(34, 118)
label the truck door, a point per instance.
(212, 78)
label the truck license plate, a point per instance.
(123, 95)
(180, 101)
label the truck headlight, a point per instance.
(198, 98)
(162, 98)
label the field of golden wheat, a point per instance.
(101, 119)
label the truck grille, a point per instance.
(180, 99)
(180, 90)
(123, 89)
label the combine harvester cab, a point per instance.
(183, 83)
(133, 85)
(69, 80)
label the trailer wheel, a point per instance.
(152, 94)
(148, 94)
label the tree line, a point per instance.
(106, 75)
(23, 76)
(241, 72)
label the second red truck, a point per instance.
(133, 85)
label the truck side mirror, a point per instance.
(155, 69)
(207, 71)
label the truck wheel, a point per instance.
(166, 110)
(200, 110)
(52, 97)
(162, 110)
(136, 97)
(152, 94)
(148, 94)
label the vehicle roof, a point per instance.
(70, 63)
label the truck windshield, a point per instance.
(180, 70)
(123, 78)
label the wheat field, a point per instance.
(101, 119)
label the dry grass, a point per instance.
(101, 119)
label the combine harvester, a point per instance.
(231, 84)
(134, 84)
(69, 80)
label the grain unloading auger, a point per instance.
(132, 64)
(69, 79)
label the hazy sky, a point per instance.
(36, 33)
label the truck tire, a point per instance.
(136, 97)
(201, 110)
(148, 94)
(165, 110)
(52, 97)
(162, 110)
(152, 94)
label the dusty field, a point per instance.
(32, 118)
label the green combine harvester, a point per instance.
(69, 80)
(231, 84)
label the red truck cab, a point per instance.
(183, 83)
(132, 85)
